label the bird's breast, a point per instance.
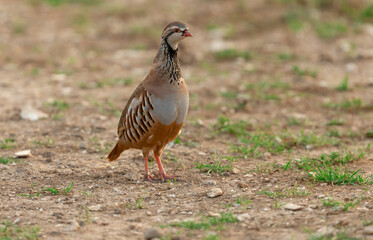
(171, 106)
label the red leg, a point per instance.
(147, 176)
(162, 174)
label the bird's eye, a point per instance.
(177, 30)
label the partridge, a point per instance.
(156, 110)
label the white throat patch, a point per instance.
(174, 39)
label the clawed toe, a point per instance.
(161, 178)
(148, 177)
(164, 177)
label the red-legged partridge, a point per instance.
(157, 109)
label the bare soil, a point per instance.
(79, 63)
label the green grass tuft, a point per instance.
(294, 21)
(208, 222)
(9, 231)
(56, 3)
(285, 192)
(114, 82)
(328, 30)
(367, 13)
(55, 191)
(369, 134)
(256, 143)
(224, 125)
(335, 122)
(7, 143)
(344, 84)
(328, 159)
(355, 104)
(216, 167)
(6, 160)
(338, 176)
(339, 205)
(337, 236)
(304, 72)
(285, 56)
(230, 54)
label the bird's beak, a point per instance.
(187, 34)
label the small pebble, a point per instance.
(213, 214)
(214, 192)
(17, 220)
(326, 231)
(368, 230)
(210, 182)
(30, 113)
(23, 154)
(267, 155)
(132, 176)
(235, 171)
(151, 233)
(117, 211)
(95, 208)
(244, 217)
(72, 226)
(292, 207)
(242, 184)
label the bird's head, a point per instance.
(174, 33)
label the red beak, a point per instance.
(187, 34)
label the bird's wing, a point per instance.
(136, 120)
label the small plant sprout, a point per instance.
(171, 157)
(230, 54)
(338, 176)
(285, 192)
(7, 143)
(139, 204)
(344, 85)
(86, 193)
(86, 215)
(207, 222)
(328, 159)
(304, 72)
(49, 141)
(369, 134)
(52, 190)
(328, 30)
(287, 165)
(339, 205)
(10, 231)
(55, 191)
(278, 205)
(6, 160)
(216, 167)
(335, 122)
(68, 189)
(31, 195)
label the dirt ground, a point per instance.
(79, 63)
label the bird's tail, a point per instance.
(116, 151)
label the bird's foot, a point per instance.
(148, 177)
(164, 177)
